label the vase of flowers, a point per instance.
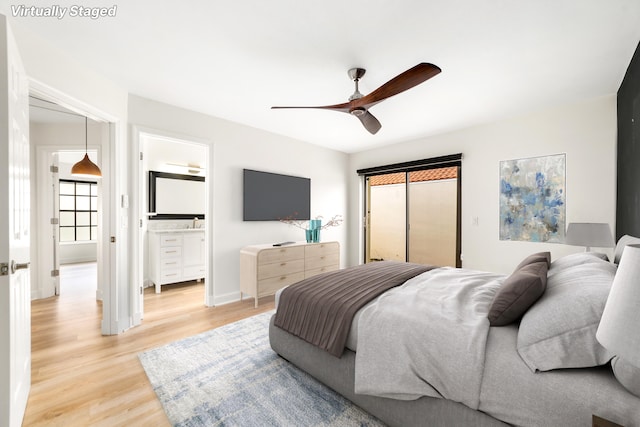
(313, 227)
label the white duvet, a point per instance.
(427, 337)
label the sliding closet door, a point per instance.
(386, 217)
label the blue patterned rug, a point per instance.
(229, 376)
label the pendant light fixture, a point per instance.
(85, 167)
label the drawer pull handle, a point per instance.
(170, 240)
(172, 274)
(283, 264)
(283, 278)
(171, 252)
(170, 263)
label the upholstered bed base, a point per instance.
(338, 373)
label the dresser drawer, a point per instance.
(271, 285)
(266, 271)
(170, 240)
(320, 249)
(322, 261)
(281, 254)
(171, 252)
(316, 271)
(170, 276)
(170, 263)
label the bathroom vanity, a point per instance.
(176, 256)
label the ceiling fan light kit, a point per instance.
(359, 104)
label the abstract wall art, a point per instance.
(532, 199)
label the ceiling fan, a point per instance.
(359, 104)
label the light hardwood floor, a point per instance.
(81, 378)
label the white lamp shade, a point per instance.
(596, 234)
(618, 329)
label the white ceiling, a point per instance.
(235, 59)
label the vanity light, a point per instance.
(191, 167)
(85, 167)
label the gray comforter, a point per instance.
(427, 337)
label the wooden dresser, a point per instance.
(266, 268)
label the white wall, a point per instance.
(236, 147)
(585, 131)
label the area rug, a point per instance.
(230, 376)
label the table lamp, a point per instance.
(590, 234)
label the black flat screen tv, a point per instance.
(272, 197)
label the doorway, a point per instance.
(170, 162)
(412, 212)
(71, 217)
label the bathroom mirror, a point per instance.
(176, 196)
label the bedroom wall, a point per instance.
(236, 147)
(628, 198)
(585, 131)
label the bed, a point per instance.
(453, 347)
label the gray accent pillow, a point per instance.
(517, 293)
(559, 331)
(627, 375)
(622, 242)
(537, 257)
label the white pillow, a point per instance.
(579, 258)
(624, 241)
(559, 330)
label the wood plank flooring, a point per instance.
(81, 378)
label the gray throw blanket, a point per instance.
(427, 337)
(320, 309)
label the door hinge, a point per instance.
(140, 223)
(53, 169)
(54, 221)
(4, 268)
(141, 155)
(141, 290)
(55, 273)
(113, 239)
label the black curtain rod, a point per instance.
(431, 163)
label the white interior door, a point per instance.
(15, 287)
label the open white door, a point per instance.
(15, 287)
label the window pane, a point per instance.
(94, 203)
(67, 218)
(94, 233)
(67, 203)
(83, 189)
(83, 233)
(94, 190)
(94, 218)
(82, 203)
(67, 234)
(67, 187)
(82, 218)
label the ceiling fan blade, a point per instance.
(404, 81)
(370, 122)
(344, 107)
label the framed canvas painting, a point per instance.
(532, 199)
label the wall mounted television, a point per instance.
(270, 196)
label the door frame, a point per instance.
(108, 205)
(139, 211)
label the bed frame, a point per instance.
(339, 373)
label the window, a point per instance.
(78, 211)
